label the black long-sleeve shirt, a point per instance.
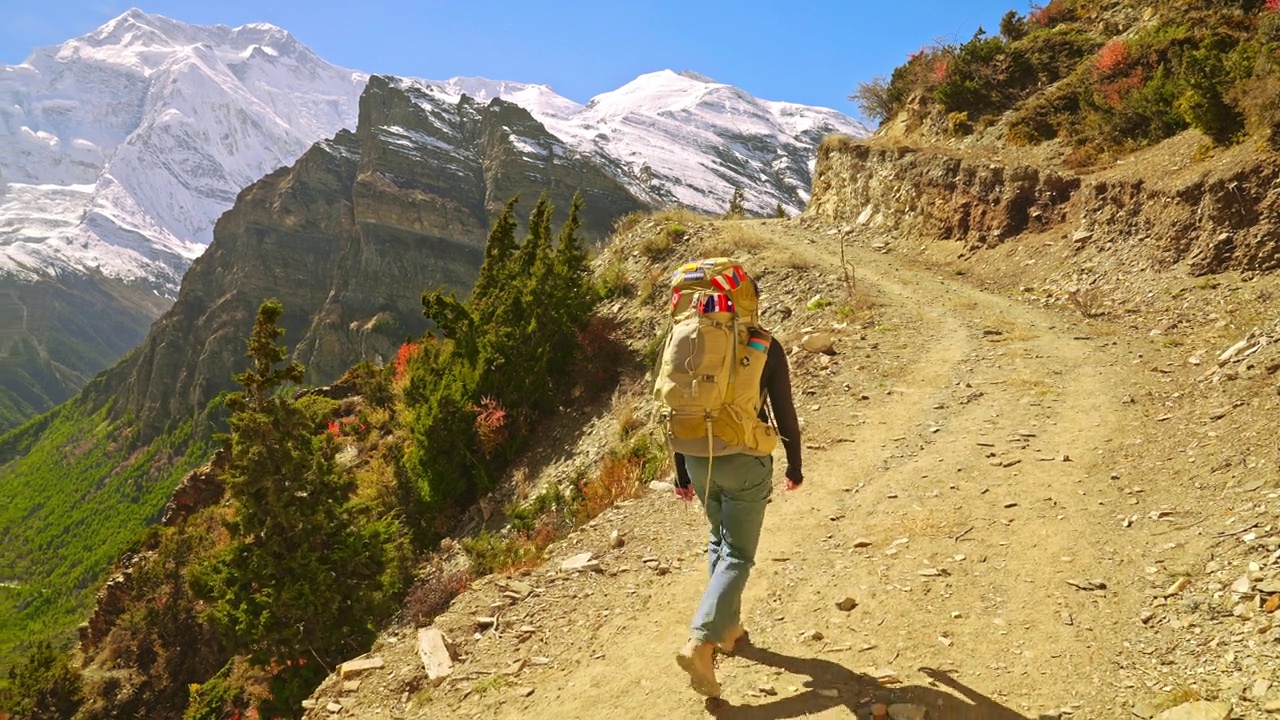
(776, 381)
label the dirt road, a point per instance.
(984, 479)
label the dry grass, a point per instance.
(626, 223)
(1181, 694)
(680, 215)
(493, 682)
(1028, 384)
(793, 258)
(746, 240)
(654, 285)
(734, 239)
(1010, 330)
(836, 142)
(659, 245)
(618, 478)
(860, 309)
(630, 419)
(1089, 302)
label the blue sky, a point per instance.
(800, 51)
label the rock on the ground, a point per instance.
(433, 648)
(818, 342)
(352, 668)
(581, 562)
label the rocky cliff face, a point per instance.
(349, 237)
(934, 194)
(1161, 209)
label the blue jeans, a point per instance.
(740, 488)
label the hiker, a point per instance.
(723, 439)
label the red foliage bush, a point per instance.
(938, 73)
(1113, 57)
(1273, 5)
(1048, 15)
(491, 425)
(1115, 91)
(408, 351)
(601, 354)
(617, 479)
(1116, 73)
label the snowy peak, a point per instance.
(137, 31)
(138, 135)
(683, 138)
(540, 100)
(662, 91)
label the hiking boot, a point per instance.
(731, 638)
(695, 658)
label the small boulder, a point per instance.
(581, 562)
(352, 668)
(437, 658)
(818, 342)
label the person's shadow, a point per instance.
(856, 692)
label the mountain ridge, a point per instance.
(121, 148)
(159, 64)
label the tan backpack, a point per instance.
(709, 371)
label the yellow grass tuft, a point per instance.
(836, 142)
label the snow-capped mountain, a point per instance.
(119, 149)
(682, 138)
(122, 147)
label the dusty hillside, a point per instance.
(1037, 514)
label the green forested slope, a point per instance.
(75, 490)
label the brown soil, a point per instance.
(993, 449)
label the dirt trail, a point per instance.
(988, 452)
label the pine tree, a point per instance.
(780, 212)
(499, 249)
(511, 348)
(573, 295)
(301, 576)
(736, 208)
